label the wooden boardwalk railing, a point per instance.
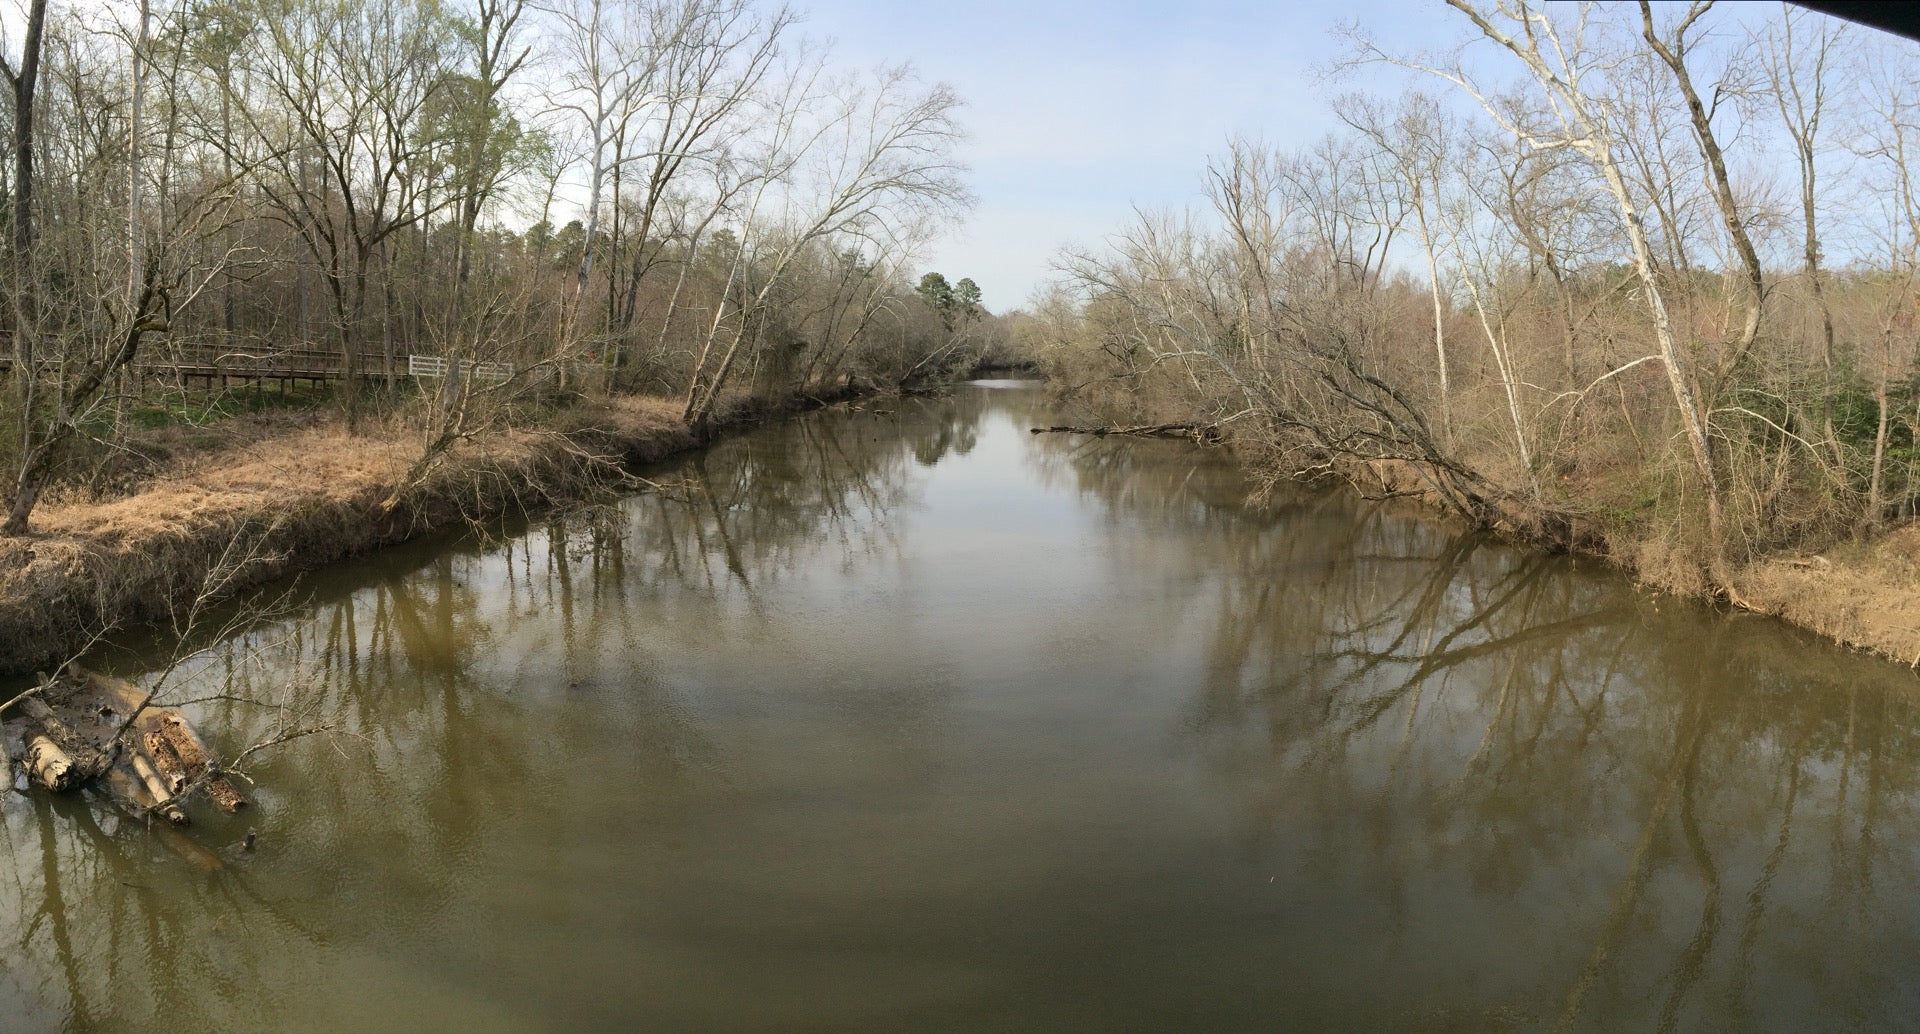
(211, 366)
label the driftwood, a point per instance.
(123, 784)
(1205, 433)
(50, 766)
(157, 789)
(225, 795)
(165, 759)
(193, 754)
(82, 726)
(198, 763)
(83, 759)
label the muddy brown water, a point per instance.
(906, 719)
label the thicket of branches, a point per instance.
(678, 197)
(1638, 272)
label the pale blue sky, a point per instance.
(1077, 110)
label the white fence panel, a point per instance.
(438, 365)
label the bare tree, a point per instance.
(707, 85)
(882, 152)
(1801, 72)
(1559, 63)
(615, 53)
(336, 149)
(1485, 247)
(1672, 48)
(1416, 140)
(79, 322)
(1891, 144)
(32, 451)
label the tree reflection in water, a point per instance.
(1060, 727)
(1663, 810)
(442, 693)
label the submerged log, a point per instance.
(157, 789)
(84, 760)
(1207, 433)
(165, 759)
(126, 786)
(225, 795)
(199, 763)
(139, 797)
(50, 766)
(187, 851)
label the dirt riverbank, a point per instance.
(301, 492)
(291, 497)
(1863, 593)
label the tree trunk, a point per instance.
(165, 759)
(26, 493)
(1439, 321)
(1872, 517)
(1597, 144)
(157, 789)
(198, 762)
(28, 481)
(50, 766)
(1675, 59)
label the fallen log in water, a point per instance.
(49, 765)
(156, 788)
(165, 759)
(1206, 433)
(199, 763)
(84, 726)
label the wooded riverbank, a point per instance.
(1863, 593)
(228, 520)
(1501, 299)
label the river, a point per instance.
(903, 718)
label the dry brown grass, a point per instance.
(221, 517)
(1866, 595)
(323, 464)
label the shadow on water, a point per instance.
(901, 715)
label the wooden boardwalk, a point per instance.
(209, 367)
